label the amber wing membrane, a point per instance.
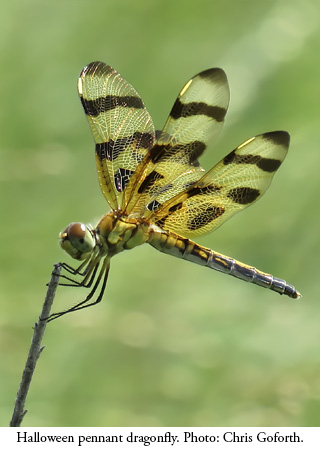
(234, 183)
(157, 175)
(172, 163)
(122, 127)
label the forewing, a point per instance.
(122, 127)
(172, 163)
(236, 182)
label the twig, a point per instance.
(35, 350)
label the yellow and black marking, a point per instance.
(243, 195)
(190, 152)
(266, 164)
(121, 178)
(111, 150)
(122, 127)
(149, 181)
(207, 215)
(153, 181)
(195, 119)
(184, 248)
(101, 105)
(233, 184)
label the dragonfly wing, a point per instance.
(122, 127)
(236, 182)
(172, 163)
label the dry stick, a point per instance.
(35, 350)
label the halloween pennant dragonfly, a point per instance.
(157, 191)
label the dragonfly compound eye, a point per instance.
(77, 240)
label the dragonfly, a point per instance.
(156, 189)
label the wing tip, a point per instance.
(215, 75)
(95, 67)
(278, 137)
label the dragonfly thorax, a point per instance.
(118, 232)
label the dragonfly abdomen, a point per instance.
(250, 274)
(184, 248)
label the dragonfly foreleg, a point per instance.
(90, 274)
(103, 274)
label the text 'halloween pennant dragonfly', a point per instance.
(157, 191)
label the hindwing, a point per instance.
(236, 182)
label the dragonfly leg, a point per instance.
(103, 274)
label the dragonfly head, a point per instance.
(77, 240)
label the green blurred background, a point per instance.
(172, 343)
